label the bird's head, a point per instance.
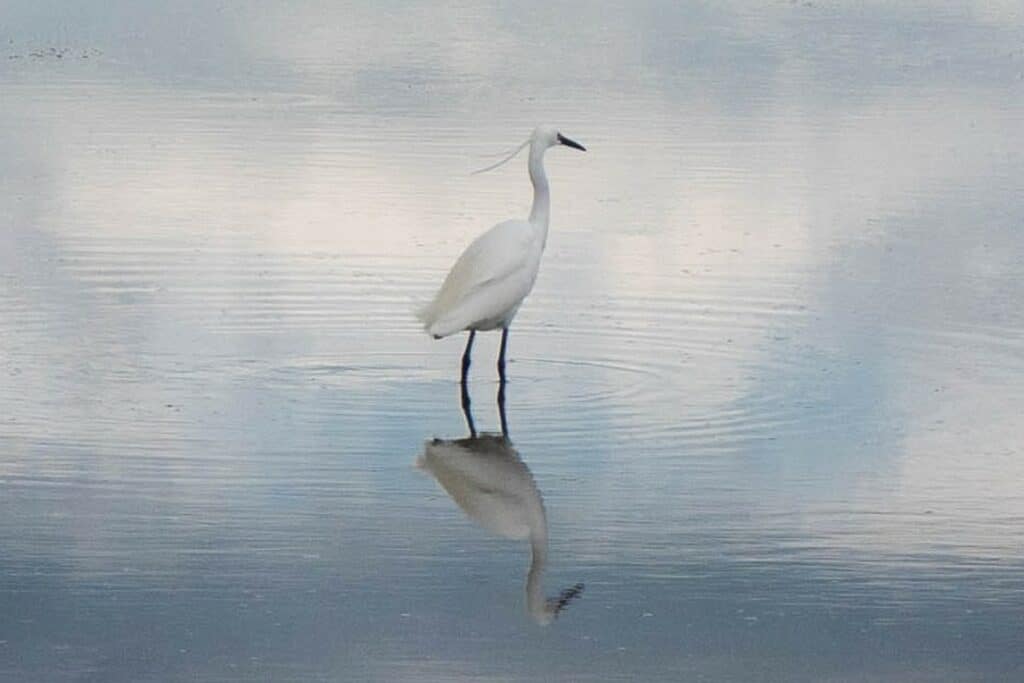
(541, 138)
(548, 136)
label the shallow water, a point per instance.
(764, 401)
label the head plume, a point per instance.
(505, 160)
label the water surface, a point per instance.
(764, 400)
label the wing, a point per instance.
(500, 252)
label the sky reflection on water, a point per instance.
(769, 380)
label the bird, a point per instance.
(489, 481)
(489, 281)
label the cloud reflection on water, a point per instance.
(774, 354)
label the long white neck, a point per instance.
(541, 194)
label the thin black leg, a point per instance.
(501, 355)
(465, 356)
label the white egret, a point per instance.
(487, 284)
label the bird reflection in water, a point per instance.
(487, 479)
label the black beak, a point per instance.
(571, 143)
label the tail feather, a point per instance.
(427, 314)
(444, 326)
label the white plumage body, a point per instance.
(486, 286)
